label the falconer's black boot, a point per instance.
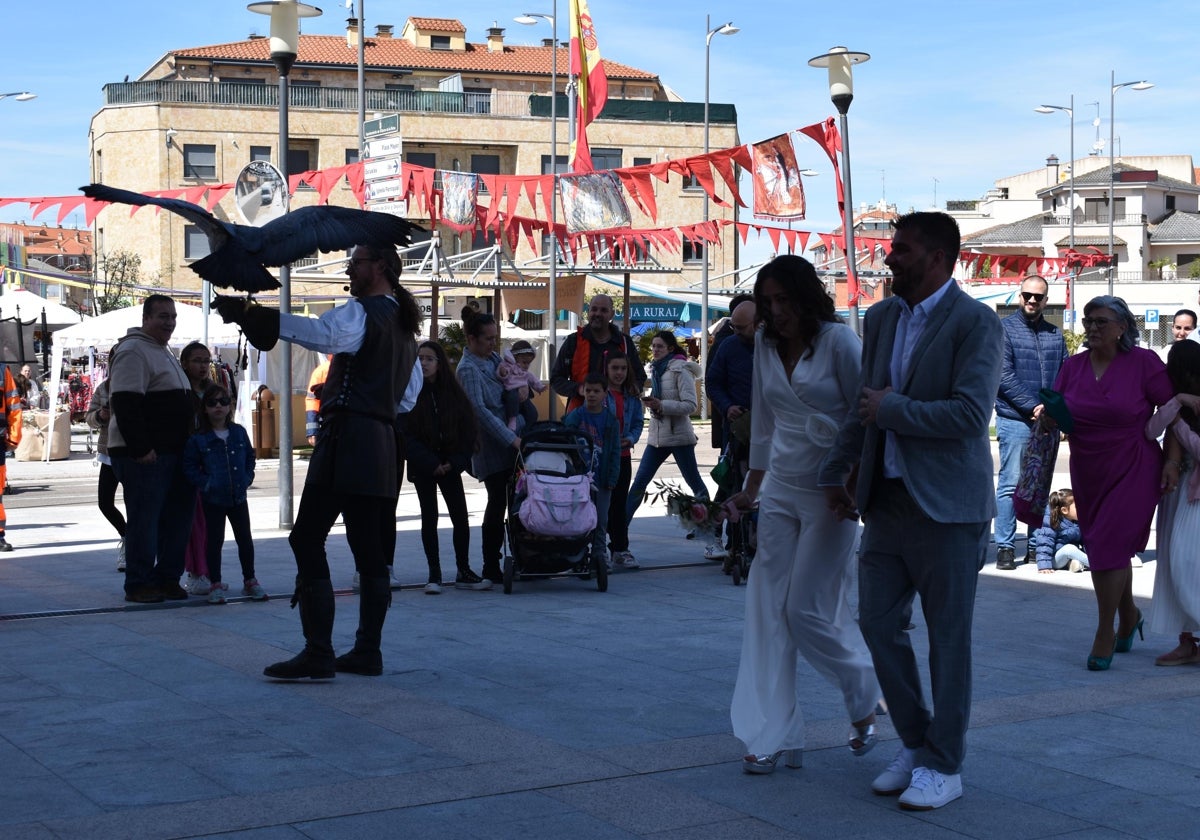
(315, 662)
(373, 599)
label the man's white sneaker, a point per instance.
(121, 556)
(898, 775)
(433, 588)
(715, 551)
(624, 560)
(198, 585)
(930, 789)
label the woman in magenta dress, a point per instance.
(1111, 390)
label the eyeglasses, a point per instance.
(1033, 297)
(427, 359)
(353, 262)
(1088, 323)
(215, 401)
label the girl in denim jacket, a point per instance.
(219, 460)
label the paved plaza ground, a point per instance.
(556, 711)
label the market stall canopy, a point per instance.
(103, 331)
(29, 306)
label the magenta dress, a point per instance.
(1115, 470)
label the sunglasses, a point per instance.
(1033, 297)
(1097, 322)
(215, 401)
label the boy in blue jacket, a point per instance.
(601, 425)
(219, 460)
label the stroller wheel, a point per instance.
(508, 574)
(601, 573)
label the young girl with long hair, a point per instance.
(624, 400)
(1058, 542)
(441, 435)
(219, 460)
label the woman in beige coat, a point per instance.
(671, 403)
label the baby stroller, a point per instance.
(552, 508)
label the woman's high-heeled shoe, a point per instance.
(761, 765)
(1124, 644)
(1099, 663)
(864, 737)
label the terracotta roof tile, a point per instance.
(438, 24)
(397, 52)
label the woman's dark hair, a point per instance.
(211, 391)
(1060, 500)
(672, 343)
(474, 321)
(628, 387)
(810, 301)
(443, 412)
(1183, 368)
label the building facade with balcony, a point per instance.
(199, 114)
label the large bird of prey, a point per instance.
(237, 253)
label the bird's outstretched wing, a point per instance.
(324, 228)
(194, 213)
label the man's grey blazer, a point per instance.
(939, 414)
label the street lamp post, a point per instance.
(531, 19)
(1112, 202)
(20, 95)
(839, 60)
(724, 29)
(1070, 112)
(285, 44)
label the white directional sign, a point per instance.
(393, 208)
(388, 167)
(383, 146)
(377, 190)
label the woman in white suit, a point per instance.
(806, 370)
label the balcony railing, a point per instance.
(235, 94)
(493, 103)
(1064, 219)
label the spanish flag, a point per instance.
(588, 69)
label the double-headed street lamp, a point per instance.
(1070, 112)
(840, 61)
(531, 19)
(285, 45)
(1112, 202)
(20, 95)
(726, 28)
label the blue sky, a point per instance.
(948, 93)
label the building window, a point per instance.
(200, 161)
(693, 252)
(439, 42)
(195, 243)
(642, 161)
(260, 153)
(606, 159)
(305, 93)
(302, 156)
(562, 165)
(1096, 210)
(485, 165)
(691, 183)
(426, 159)
(1170, 203)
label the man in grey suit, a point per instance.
(919, 436)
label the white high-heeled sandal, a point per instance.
(761, 765)
(865, 737)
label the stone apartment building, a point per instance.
(199, 114)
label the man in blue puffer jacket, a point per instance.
(1034, 350)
